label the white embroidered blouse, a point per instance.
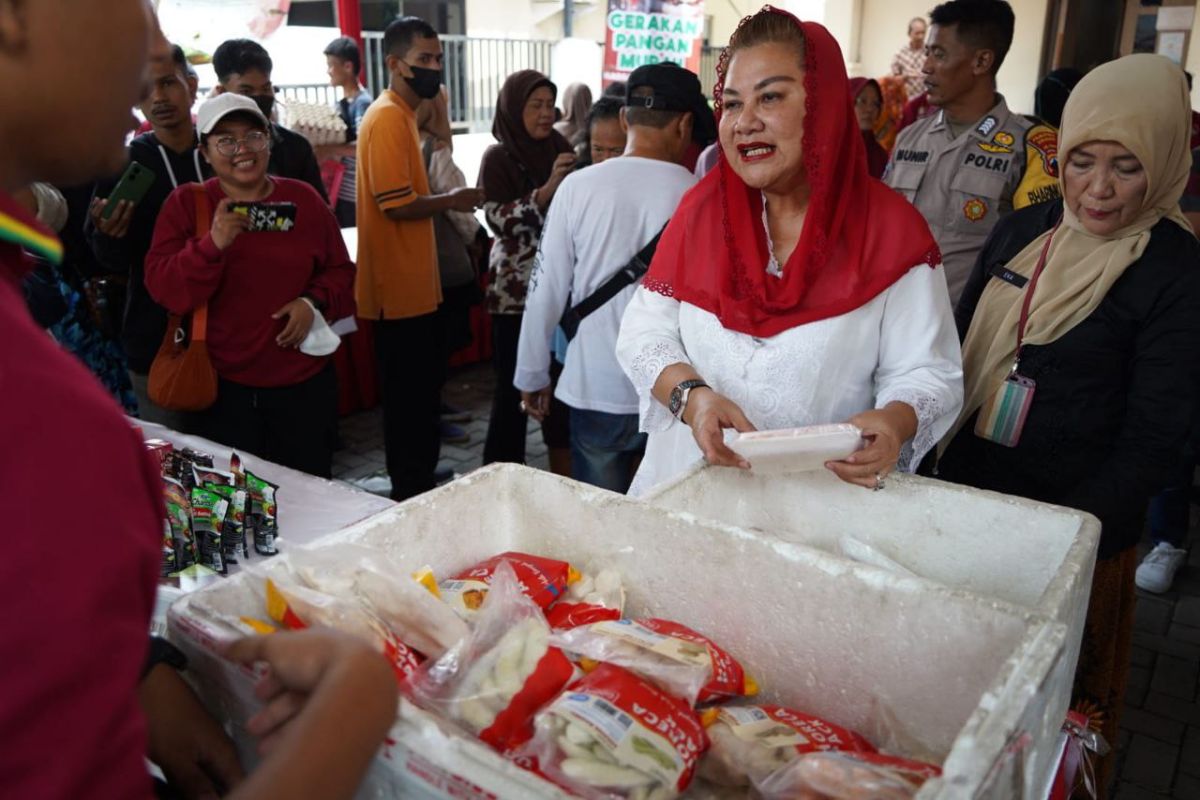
(900, 346)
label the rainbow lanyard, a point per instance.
(23, 230)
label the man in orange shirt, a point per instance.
(397, 286)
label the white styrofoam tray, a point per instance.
(1032, 555)
(797, 449)
(930, 671)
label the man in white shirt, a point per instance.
(601, 218)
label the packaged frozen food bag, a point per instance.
(840, 775)
(233, 533)
(494, 680)
(179, 515)
(160, 449)
(593, 598)
(406, 605)
(236, 469)
(749, 743)
(261, 496)
(614, 734)
(168, 550)
(677, 658)
(203, 475)
(543, 579)
(208, 521)
(296, 607)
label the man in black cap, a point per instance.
(601, 220)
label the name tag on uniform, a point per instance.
(1008, 276)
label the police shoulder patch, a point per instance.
(1042, 141)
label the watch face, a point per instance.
(676, 399)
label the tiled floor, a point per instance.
(1159, 744)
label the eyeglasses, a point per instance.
(255, 142)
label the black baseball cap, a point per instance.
(673, 88)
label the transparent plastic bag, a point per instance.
(294, 606)
(593, 598)
(408, 608)
(750, 743)
(614, 734)
(544, 580)
(677, 658)
(493, 681)
(848, 776)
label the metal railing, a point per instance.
(475, 69)
(709, 56)
(317, 93)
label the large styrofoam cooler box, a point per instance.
(1033, 555)
(948, 673)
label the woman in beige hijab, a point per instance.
(1082, 349)
(577, 102)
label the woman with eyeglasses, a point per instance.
(268, 291)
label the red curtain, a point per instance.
(350, 20)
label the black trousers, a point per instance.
(412, 369)
(291, 425)
(507, 425)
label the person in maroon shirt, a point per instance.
(264, 290)
(78, 575)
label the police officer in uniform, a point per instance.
(973, 161)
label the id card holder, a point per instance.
(1002, 418)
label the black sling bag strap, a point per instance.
(628, 275)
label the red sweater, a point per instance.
(250, 280)
(80, 560)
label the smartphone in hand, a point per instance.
(135, 182)
(267, 217)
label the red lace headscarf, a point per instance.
(859, 236)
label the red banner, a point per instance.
(641, 32)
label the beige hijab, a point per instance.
(1140, 101)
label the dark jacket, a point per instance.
(293, 157)
(145, 321)
(1115, 395)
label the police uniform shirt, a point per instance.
(963, 185)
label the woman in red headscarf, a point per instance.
(790, 288)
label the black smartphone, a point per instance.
(133, 185)
(267, 217)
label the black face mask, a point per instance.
(266, 104)
(425, 82)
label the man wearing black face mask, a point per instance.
(244, 67)
(397, 285)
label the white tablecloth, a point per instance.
(309, 507)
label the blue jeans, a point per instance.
(605, 448)
(1170, 509)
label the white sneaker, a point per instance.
(1158, 568)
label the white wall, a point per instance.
(884, 23)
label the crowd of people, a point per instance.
(1004, 301)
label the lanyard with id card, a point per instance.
(1002, 417)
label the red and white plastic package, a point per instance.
(296, 607)
(408, 608)
(750, 743)
(677, 658)
(494, 681)
(544, 580)
(593, 598)
(848, 776)
(613, 734)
